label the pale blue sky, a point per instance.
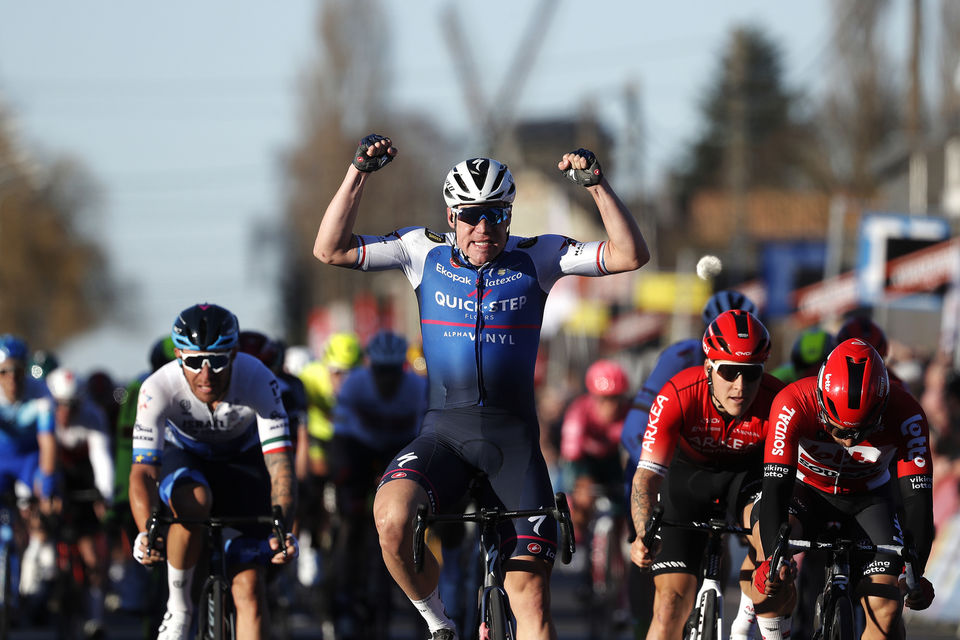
(182, 109)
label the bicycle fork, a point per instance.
(707, 614)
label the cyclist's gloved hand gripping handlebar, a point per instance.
(652, 528)
(772, 564)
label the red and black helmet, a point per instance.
(606, 378)
(736, 336)
(853, 387)
(865, 329)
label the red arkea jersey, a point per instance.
(799, 440)
(683, 415)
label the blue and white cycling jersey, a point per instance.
(21, 421)
(480, 325)
(250, 414)
(674, 359)
(380, 423)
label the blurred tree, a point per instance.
(950, 64)
(346, 96)
(54, 282)
(861, 114)
(747, 104)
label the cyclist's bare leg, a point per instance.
(527, 582)
(184, 545)
(394, 509)
(249, 596)
(672, 604)
(882, 603)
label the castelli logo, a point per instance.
(399, 474)
(534, 548)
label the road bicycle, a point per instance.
(833, 617)
(217, 616)
(495, 617)
(607, 566)
(706, 620)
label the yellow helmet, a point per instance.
(343, 351)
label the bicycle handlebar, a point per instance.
(906, 552)
(560, 513)
(652, 527)
(275, 519)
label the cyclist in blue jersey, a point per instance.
(379, 409)
(481, 294)
(675, 358)
(211, 438)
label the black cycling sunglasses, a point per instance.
(730, 372)
(473, 215)
(217, 361)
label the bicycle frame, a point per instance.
(495, 616)
(706, 618)
(216, 596)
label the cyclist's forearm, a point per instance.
(643, 497)
(283, 484)
(142, 493)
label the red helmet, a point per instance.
(606, 378)
(865, 329)
(853, 388)
(736, 336)
(267, 351)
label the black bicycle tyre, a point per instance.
(498, 621)
(708, 616)
(214, 622)
(841, 620)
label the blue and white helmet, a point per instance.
(479, 181)
(13, 348)
(205, 327)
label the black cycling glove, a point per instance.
(591, 175)
(366, 163)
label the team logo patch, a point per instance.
(534, 548)
(398, 474)
(434, 236)
(529, 242)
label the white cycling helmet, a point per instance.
(63, 385)
(478, 180)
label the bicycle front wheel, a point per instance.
(709, 617)
(841, 622)
(216, 620)
(496, 623)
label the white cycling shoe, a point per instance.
(175, 626)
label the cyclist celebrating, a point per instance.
(839, 435)
(481, 294)
(211, 438)
(707, 426)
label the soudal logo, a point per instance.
(744, 353)
(534, 548)
(780, 430)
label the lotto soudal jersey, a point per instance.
(480, 325)
(799, 444)
(683, 416)
(250, 414)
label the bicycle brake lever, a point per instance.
(278, 529)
